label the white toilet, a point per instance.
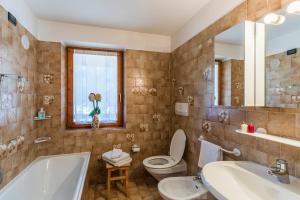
(171, 165)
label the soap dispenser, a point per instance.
(42, 114)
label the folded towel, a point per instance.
(108, 156)
(119, 164)
(116, 153)
(209, 152)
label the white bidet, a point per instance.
(181, 188)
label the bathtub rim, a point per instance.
(86, 155)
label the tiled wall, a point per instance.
(225, 86)
(237, 82)
(283, 80)
(189, 61)
(16, 109)
(144, 70)
(231, 86)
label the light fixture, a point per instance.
(274, 19)
(294, 8)
(25, 42)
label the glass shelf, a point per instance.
(38, 119)
(274, 138)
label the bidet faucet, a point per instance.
(280, 171)
(198, 177)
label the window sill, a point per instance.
(103, 130)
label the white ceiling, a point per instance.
(234, 35)
(163, 17)
(290, 25)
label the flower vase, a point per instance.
(95, 121)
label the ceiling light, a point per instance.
(294, 8)
(274, 19)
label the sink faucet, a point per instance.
(280, 171)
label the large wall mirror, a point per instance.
(281, 61)
(234, 66)
(229, 67)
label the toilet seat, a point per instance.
(180, 168)
(159, 162)
(176, 152)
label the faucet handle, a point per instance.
(272, 170)
(282, 165)
(281, 161)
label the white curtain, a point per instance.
(97, 72)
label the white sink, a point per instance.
(239, 180)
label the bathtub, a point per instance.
(59, 177)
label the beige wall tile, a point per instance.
(281, 124)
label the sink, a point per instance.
(236, 180)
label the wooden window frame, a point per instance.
(69, 118)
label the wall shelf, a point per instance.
(38, 119)
(274, 138)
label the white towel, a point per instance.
(209, 152)
(119, 164)
(116, 153)
(108, 156)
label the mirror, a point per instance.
(281, 60)
(229, 67)
(233, 56)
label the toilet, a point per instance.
(171, 165)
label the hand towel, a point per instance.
(116, 153)
(108, 156)
(209, 152)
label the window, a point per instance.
(94, 71)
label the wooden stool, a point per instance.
(123, 177)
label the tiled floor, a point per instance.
(138, 190)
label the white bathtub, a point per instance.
(59, 177)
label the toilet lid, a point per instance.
(178, 145)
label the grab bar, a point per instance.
(235, 151)
(41, 140)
